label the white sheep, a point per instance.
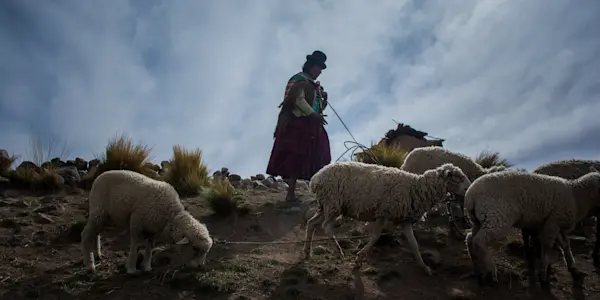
(548, 205)
(570, 169)
(378, 194)
(151, 210)
(422, 159)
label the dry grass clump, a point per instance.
(6, 162)
(36, 178)
(122, 153)
(488, 159)
(186, 171)
(222, 198)
(382, 154)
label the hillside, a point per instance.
(41, 259)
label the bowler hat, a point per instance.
(318, 58)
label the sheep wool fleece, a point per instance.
(497, 202)
(149, 208)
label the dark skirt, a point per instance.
(300, 149)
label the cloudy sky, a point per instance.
(519, 77)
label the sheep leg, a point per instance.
(407, 229)
(147, 261)
(596, 251)
(546, 238)
(375, 230)
(311, 226)
(90, 241)
(529, 236)
(486, 235)
(475, 257)
(97, 248)
(328, 228)
(565, 244)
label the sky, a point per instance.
(518, 77)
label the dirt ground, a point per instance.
(40, 258)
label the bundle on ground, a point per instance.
(551, 206)
(379, 194)
(151, 210)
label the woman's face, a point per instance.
(315, 71)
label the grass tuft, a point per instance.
(382, 154)
(186, 171)
(488, 159)
(36, 178)
(222, 198)
(122, 153)
(6, 162)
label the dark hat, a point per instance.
(318, 58)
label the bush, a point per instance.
(222, 198)
(488, 159)
(382, 154)
(186, 171)
(36, 178)
(6, 161)
(122, 153)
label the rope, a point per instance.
(357, 145)
(226, 242)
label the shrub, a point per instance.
(6, 161)
(222, 198)
(36, 178)
(382, 154)
(186, 171)
(122, 153)
(488, 159)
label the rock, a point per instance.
(164, 164)
(431, 257)
(234, 178)
(269, 182)
(93, 163)
(28, 166)
(71, 163)
(260, 177)
(302, 185)
(42, 218)
(70, 174)
(47, 200)
(4, 182)
(57, 162)
(257, 185)
(81, 164)
(13, 202)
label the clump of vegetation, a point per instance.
(122, 153)
(488, 159)
(382, 154)
(222, 198)
(186, 171)
(6, 162)
(33, 177)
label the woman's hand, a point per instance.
(318, 117)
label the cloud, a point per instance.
(522, 78)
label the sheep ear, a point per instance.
(593, 169)
(183, 241)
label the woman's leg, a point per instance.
(291, 191)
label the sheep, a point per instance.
(422, 159)
(545, 204)
(570, 169)
(151, 210)
(367, 192)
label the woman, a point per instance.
(301, 146)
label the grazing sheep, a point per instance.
(548, 205)
(151, 210)
(570, 169)
(422, 159)
(379, 194)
